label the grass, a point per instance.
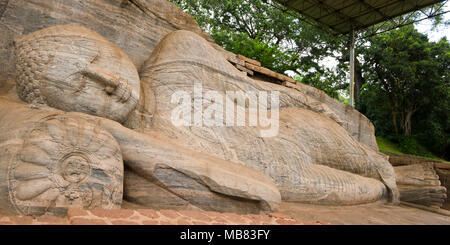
(389, 147)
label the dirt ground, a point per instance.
(379, 213)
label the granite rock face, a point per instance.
(100, 131)
(419, 184)
(312, 159)
(73, 69)
(136, 27)
(356, 124)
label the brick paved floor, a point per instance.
(154, 217)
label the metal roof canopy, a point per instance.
(343, 16)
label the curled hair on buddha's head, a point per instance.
(27, 77)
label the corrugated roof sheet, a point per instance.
(343, 15)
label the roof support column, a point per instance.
(352, 68)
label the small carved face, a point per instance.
(75, 69)
(75, 169)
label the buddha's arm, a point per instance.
(145, 154)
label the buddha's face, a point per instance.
(75, 69)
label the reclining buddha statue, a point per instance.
(87, 130)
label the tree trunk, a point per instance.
(394, 114)
(359, 81)
(407, 123)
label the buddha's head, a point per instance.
(72, 68)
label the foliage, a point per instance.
(407, 92)
(409, 145)
(402, 78)
(385, 145)
(270, 56)
(262, 30)
(404, 145)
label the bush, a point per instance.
(410, 145)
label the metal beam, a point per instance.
(352, 68)
(367, 15)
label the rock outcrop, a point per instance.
(422, 181)
(74, 69)
(136, 27)
(354, 122)
(95, 123)
(312, 157)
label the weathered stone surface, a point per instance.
(354, 122)
(242, 68)
(69, 67)
(72, 68)
(248, 60)
(433, 196)
(401, 160)
(378, 213)
(204, 182)
(417, 174)
(200, 180)
(313, 159)
(51, 161)
(444, 177)
(136, 27)
(421, 181)
(425, 196)
(181, 191)
(235, 60)
(264, 71)
(3, 4)
(207, 182)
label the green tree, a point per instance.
(265, 31)
(282, 41)
(433, 124)
(403, 65)
(402, 77)
(408, 82)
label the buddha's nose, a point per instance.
(113, 83)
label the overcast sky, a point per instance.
(424, 26)
(434, 36)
